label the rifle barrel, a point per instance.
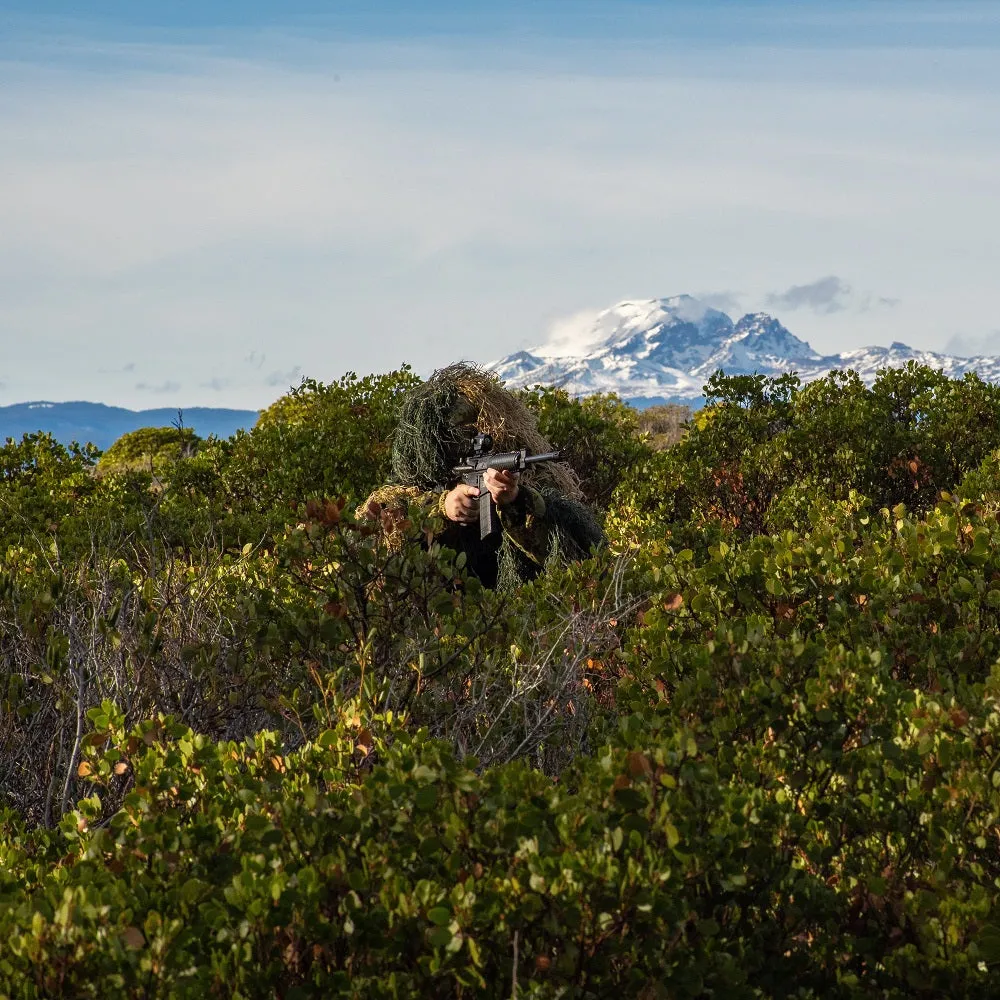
(548, 456)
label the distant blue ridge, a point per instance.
(102, 425)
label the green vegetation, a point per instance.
(150, 448)
(751, 750)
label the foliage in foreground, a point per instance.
(752, 751)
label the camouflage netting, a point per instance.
(438, 420)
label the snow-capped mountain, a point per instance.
(664, 350)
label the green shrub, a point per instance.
(318, 440)
(676, 860)
(41, 482)
(598, 434)
(154, 449)
(763, 452)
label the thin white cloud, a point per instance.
(828, 295)
(825, 295)
(159, 387)
(284, 380)
(965, 346)
(725, 301)
(574, 335)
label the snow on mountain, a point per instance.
(664, 350)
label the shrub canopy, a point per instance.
(750, 750)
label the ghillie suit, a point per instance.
(548, 523)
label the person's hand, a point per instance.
(502, 485)
(462, 504)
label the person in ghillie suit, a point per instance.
(543, 519)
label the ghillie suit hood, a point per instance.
(437, 422)
(439, 418)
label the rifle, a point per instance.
(472, 468)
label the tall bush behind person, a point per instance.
(318, 440)
(765, 451)
(598, 434)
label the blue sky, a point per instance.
(739, 22)
(204, 201)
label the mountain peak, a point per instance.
(583, 334)
(764, 335)
(663, 350)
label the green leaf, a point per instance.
(630, 798)
(474, 954)
(988, 943)
(440, 937)
(670, 832)
(426, 798)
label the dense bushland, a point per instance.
(751, 749)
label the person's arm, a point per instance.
(533, 519)
(522, 513)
